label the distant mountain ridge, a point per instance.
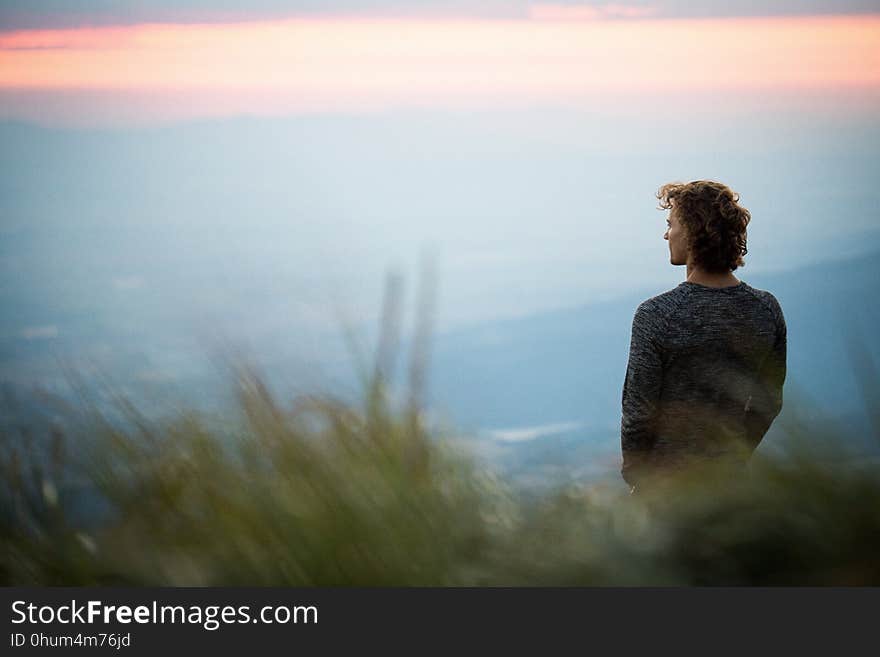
(568, 365)
(532, 377)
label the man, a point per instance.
(707, 359)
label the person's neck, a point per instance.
(702, 277)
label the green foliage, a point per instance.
(328, 495)
(318, 495)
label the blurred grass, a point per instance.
(321, 492)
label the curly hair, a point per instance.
(714, 222)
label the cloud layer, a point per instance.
(319, 65)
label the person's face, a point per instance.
(675, 235)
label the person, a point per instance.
(707, 359)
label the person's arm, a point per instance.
(766, 401)
(641, 396)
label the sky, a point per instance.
(196, 164)
(34, 14)
(574, 55)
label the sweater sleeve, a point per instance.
(641, 395)
(766, 400)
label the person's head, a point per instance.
(706, 225)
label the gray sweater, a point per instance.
(704, 378)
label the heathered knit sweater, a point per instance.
(704, 379)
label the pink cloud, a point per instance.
(319, 65)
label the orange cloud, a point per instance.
(326, 64)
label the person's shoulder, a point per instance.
(770, 302)
(656, 310)
(664, 303)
